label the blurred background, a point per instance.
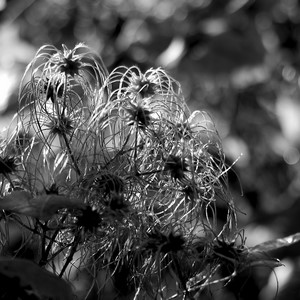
(239, 60)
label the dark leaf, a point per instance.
(31, 277)
(42, 207)
(277, 243)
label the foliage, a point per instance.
(112, 174)
(21, 278)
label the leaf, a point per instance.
(258, 255)
(44, 284)
(277, 243)
(42, 207)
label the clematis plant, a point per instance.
(111, 173)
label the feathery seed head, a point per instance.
(89, 219)
(8, 164)
(60, 125)
(141, 84)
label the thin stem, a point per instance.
(71, 154)
(70, 256)
(64, 134)
(44, 256)
(46, 252)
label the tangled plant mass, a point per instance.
(111, 173)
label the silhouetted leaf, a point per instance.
(277, 243)
(30, 276)
(42, 207)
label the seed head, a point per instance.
(139, 115)
(69, 63)
(60, 125)
(143, 86)
(176, 165)
(158, 241)
(8, 165)
(228, 254)
(105, 184)
(89, 219)
(53, 189)
(118, 203)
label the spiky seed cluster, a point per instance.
(177, 167)
(8, 165)
(69, 63)
(228, 254)
(89, 219)
(164, 243)
(117, 203)
(127, 146)
(59, 125)
(139, 115)
(52, 189)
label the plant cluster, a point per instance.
(111, 172)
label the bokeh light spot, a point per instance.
(291, 156)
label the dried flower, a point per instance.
(158, 241)
(61, 125)
(120, 158)
(139, 115)
(53, 189)
(8, 165)
(70, 63)
(177, 166)
(103, 183)
(227, 254)
(89, 219)
(77, 61)
(117, 203)
(143, 85)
